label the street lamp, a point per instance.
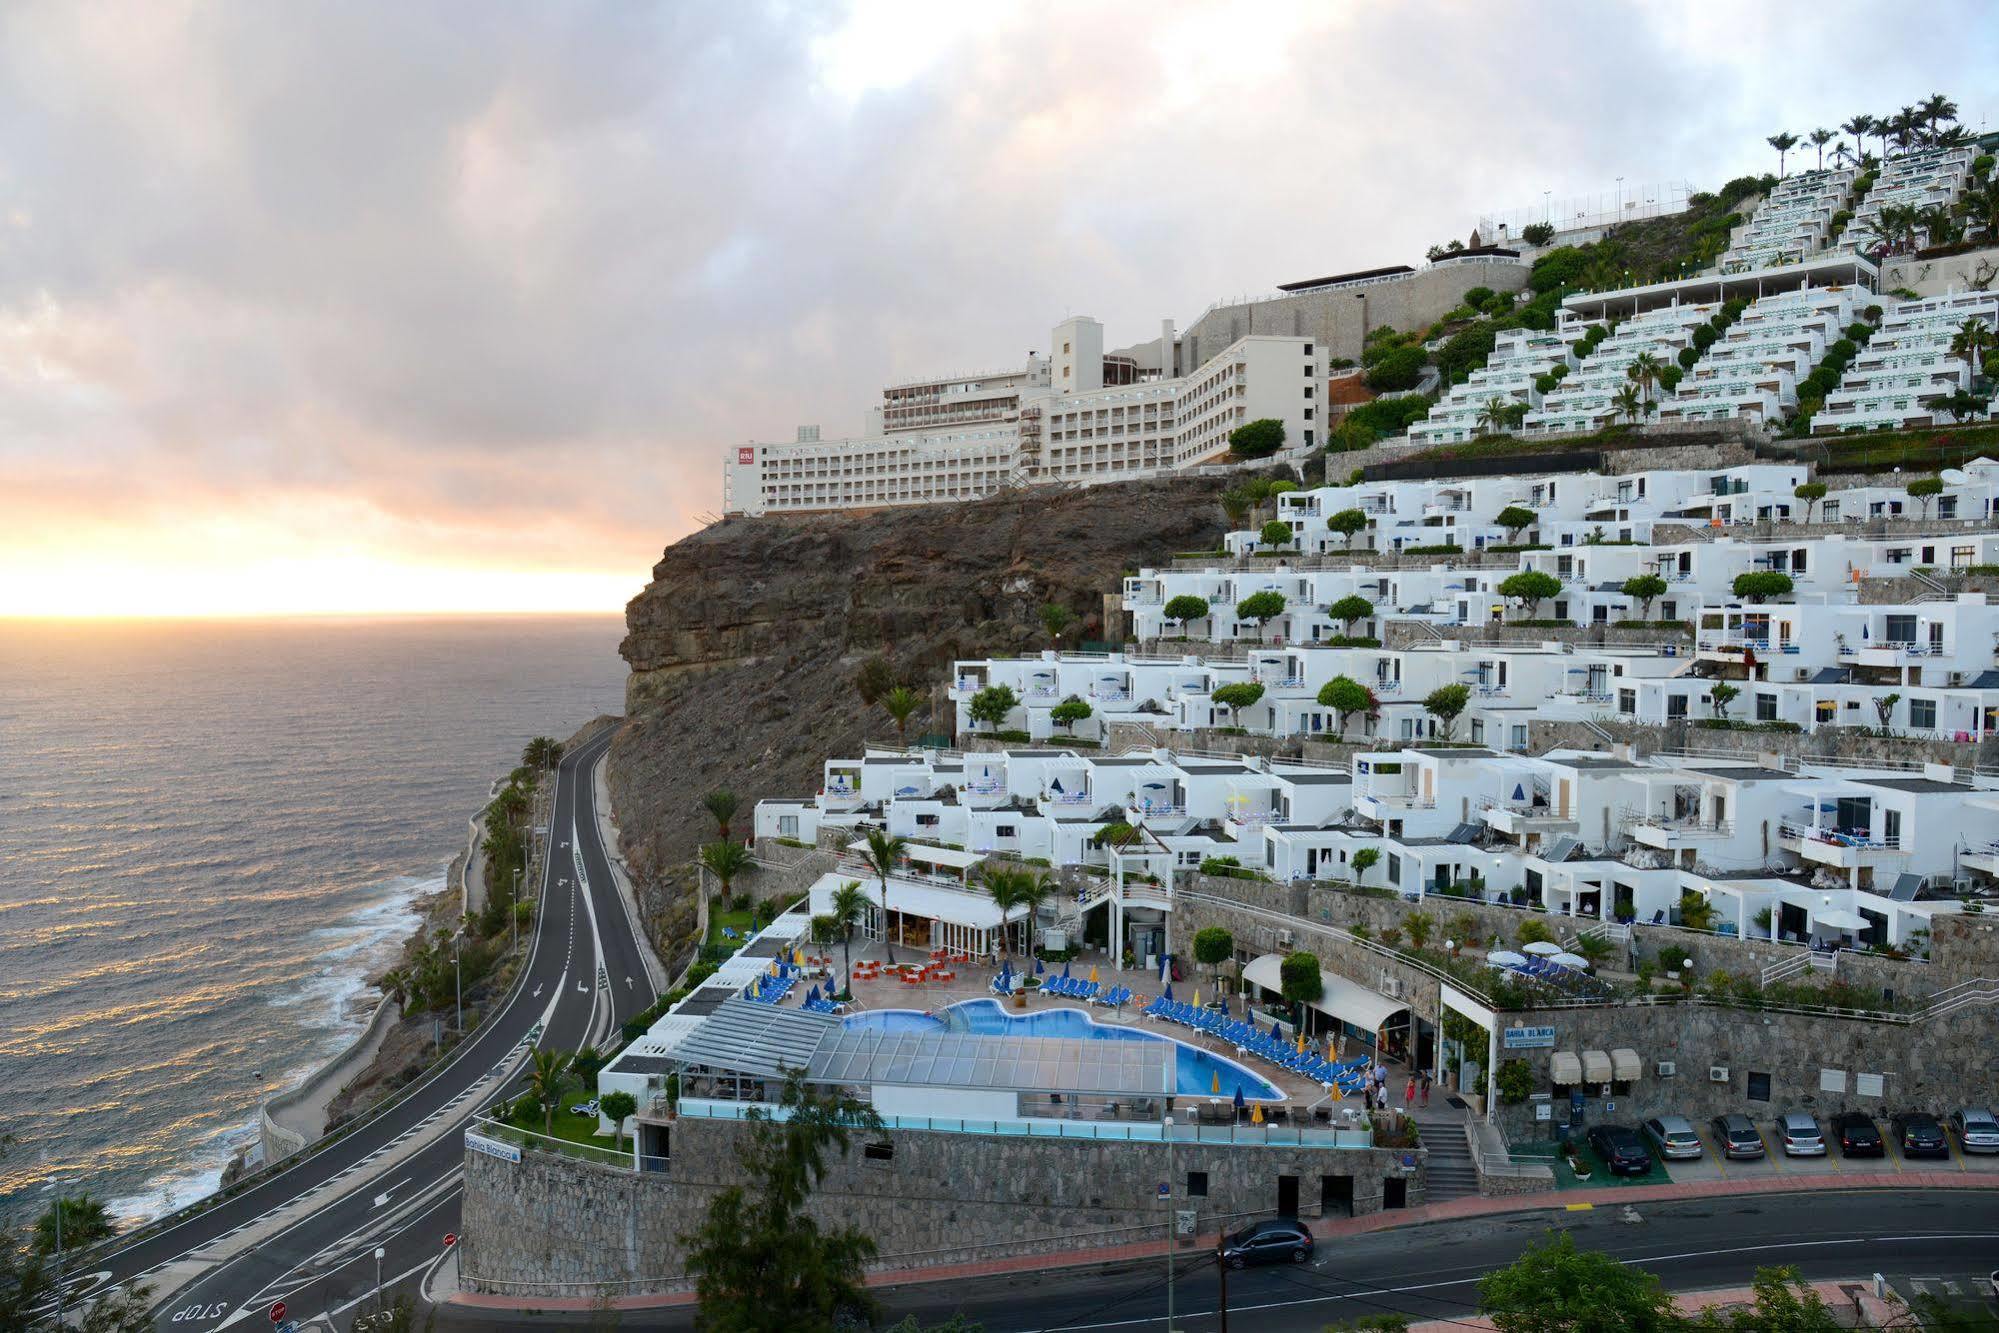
(458, 982)
(59, 1186)
(513, 914)
(1168, 1125)
(380, 1254)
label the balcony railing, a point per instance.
(1836, 837)
(1678, 823)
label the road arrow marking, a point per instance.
(383, 1197)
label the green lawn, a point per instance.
(572, 1128)
(1600, 1175)
(737, 921)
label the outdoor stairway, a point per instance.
(1451, 1173)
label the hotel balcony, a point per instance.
(1522, 821)
(1983, 857)
(1381, 808)
(1841, 849)
(1666, 832)
(1887, 652)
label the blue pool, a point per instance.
(1198, 1069)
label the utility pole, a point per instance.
(1169, 1222)
(458, 979)
(61, 1186)
(1222, 1273)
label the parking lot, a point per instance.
(1773, 1163)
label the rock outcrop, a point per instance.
(744, 646)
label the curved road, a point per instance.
(308, 1234)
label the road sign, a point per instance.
(450, 1239)
(278, 1313)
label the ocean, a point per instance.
(210, 836)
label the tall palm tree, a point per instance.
(1645, 371)
(725, 860)
(882, 854)
(1492, 417)
(1629, 402)
(1859, 127)
(1820, 138)
(1003, 885)
(1980, 208)
(1236, 507)
(1036, 888)
(545, 1079)
(1783, 143)
(901, 704)
(1973, 339)
(848, 906)
(722, 804)
(1908, 126)
(1937, 107)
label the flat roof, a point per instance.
(752, 1038)
(1209, 770)
(1314, 779)
(1309, 283)
(1911, 784)
(1592, 761)
(995, 1063)
(1451, 752)
(1746, 773)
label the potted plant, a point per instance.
(1577, 1162)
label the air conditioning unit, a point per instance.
(1391, 986)
(1717, 1073)
(1284, 939)
(1665, 1069)
(1804, 673)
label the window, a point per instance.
(1759, 1087)
(1766, 707)
(878, 1152)
(1197, 1184)
(1394, 868)
(787, 826)
(1627, 702)
(1923, 714)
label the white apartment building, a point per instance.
(1897, 378)
(1794, 222)
(1935, 176)
(1079, 415)
(1753, 371)
(1519, 358)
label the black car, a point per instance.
(1857, 1135)
(1920, 1135)
(1621, 1150)
(1281, 1241)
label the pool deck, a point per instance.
(973, 981)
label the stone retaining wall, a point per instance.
(551, 1225)
(292, 1119)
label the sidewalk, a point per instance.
(1837, 1294)
(1451, 1211)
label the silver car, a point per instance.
(1800, 1135)
(1976, 1129)
(1673, 1136)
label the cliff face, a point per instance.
(743, 647)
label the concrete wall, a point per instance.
(1936, 1066)
(1341, 317)
(292, 1119)
(542, 1224)
(1849, 744)
(1973, 270)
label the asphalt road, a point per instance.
(1921, 1240)
(405, 1207)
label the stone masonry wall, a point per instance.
(546, 1224)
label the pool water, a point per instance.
(1197, 1069)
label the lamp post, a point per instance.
(380, 1254)
(60, 1187)
(514, 916)
(1168, 1126)
(458, 987)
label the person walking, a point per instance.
(1409, 1093)
(1426, 1087)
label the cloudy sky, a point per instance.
(353, 307)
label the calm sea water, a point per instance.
(210, 834)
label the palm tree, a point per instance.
(1939, 224)
(1820, 138)
(1783, 143)
(1629, 402)
(1003, 886)
(725, 860)
(901, 704)
(1980, 208)
(1055, 618)
(849, 905)
(1235, 507)
(1972, 340)
(882, 854)
(1859, 127)
(1645, 370)
(1036, 888)
(542, 752)
(1908, 128)
(1492, 417)
(1937, 107)
(545, 1080)
(722, 804)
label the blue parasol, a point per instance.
(1276, 1032)
(1169, 991)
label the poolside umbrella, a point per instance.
(1168, 995)
(1093, 972)
(1275, 1031)
(1576, 961)
(1256, 1114)
(812, 996)
(1541, 947)
(1505, 958)
(1301, 1043)
(1215, 1082)
(1065, 969)
(1039, 966)
(1238, 1099)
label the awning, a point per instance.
(928, 855)
(1624, 1064)
(1596, 1067)
(959, 907)
(1346, 1000)
(1563, 1067)
(1839, 920)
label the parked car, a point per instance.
(1673, 1136)
(1976, 1129)
(1858, 1136)
(1800, 1135)
(1920, 1135)
(1276, 1241)
(1735, 1135)
(1621, 1150)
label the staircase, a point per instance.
(1451, 1172)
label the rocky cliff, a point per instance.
(744, 646)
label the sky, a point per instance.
(328, 308)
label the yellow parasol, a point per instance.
(1197, 997)
(1093, 973)
(1256, 1114)
(1301, 1043)
(1337, 1094)
(1215, 1082)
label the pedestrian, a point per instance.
(1426, 1087)
(1409, 1093)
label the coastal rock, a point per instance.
(743, 647)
